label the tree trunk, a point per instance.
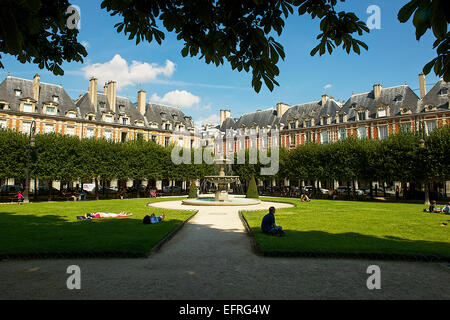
(427, 194)
(50, 190)
(96, 189)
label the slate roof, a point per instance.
(314, 110)
(436, 96)
(46, 93)
(156, 113)
(396, 97)
(262, 119)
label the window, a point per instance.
(443, 91)
(3, 124)
(121, 108)
(55, 99)
(362, 116)
(341, 118)
(166, 141)
(308, 137)
(3, 106)
(382, 113)
(383, 132)
(91, 117)
(293, 125)
(50, 110)
(308, 123)
(362, 133)
(26, 127)
(398, 98)
(154, 125)
(324, 137)
(175, 117)
(108, 118)
(89, 132)
(125, 121)
(324, 121)
(167, 126)
(292, 139)
(154, 138)
(107, 135)
(27, 107)
(71, 115)
(17, 92)
(70, 131)
(431, 125)
(342, 134)
(405, 127)
(49, 128)
(123, 137)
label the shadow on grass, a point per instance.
(349, 245)
(52, 236)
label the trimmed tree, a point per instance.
(252, 191)
(192, 190)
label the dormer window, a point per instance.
(362, 116)
(125, 121)
(55, 99)
(17, 92)
(175, 117)
(121, 108)
(382, 111)
(398, 98)
(51, 110)
(308, 123)
(108, 118)
(71, 114)
(102, 105)
(90, 117)
(293, 125)
(154, 125)
(167, 126)
(139, 123)
(444, 91)
(3, 106)
(324, 121)
(405, 110)
(27, 107)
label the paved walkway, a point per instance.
(211, 258)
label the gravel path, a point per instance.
(211, 258)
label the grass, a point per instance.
(51, 229)
(324, 227)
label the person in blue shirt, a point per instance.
(268, 224)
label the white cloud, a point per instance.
(212, 119)
(328, 86)
(125, 75)
(177, 98)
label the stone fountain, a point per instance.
(222, 197)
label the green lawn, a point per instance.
(324, 227)
(52, 228)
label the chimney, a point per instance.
(423, 85)
(142, 96)
(281, 109)
(377, 90)
(224, 114)
(325, 99)
(36, 84)
(111, 95)
(93, 92)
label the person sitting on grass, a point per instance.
(102, 215)
(446, 209)
(434, 208)
(154, 219)
(268, 225)
(304, 198)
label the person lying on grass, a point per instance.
(268, 225)
(102, 215)
(435, 209)
(153, 219)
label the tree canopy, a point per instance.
(241, 32)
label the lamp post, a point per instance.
(31, 144)
(423, 146)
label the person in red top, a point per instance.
(19, 198)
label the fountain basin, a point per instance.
(211, 201)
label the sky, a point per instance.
(395, 57)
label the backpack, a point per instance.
(146, 220)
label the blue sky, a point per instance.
(395, 57)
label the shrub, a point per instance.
(192, 190)
(252, 191)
